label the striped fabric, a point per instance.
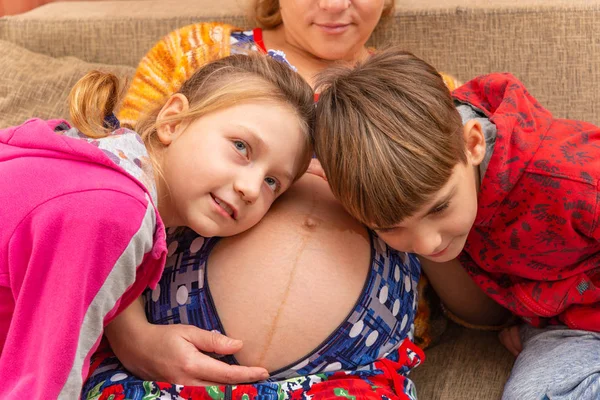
(170, 62)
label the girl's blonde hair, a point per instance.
(267, 15)
(388, 136)
(217, 85)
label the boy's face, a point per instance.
(439, 230)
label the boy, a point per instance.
(485, 183)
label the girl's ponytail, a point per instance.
(92, 100)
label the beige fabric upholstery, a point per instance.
(548, 44)
(35, 85)
(553, 51)
(465, 365)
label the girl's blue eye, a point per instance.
(272, 182)
(241, 147)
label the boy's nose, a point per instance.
(426, 244)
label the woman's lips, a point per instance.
(333, 29)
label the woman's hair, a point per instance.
(266, 12)
(388, 136)
(217, 85)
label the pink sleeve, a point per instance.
(70, 263)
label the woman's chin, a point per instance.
(334, 52)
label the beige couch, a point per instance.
(551, 45)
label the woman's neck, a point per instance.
(308, 64)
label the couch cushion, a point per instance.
(465, 364)
(545, 43)
(548, 47)
(117, 32)
(37, 85)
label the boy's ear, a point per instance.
(475, 141)
(167, 131)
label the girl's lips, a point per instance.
(220, 210)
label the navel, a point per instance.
(310, 223)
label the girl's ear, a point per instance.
(169, 130)
(475, 141)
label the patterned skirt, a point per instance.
(385, 379)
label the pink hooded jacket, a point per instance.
(80, 240)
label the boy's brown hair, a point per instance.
(388, 136)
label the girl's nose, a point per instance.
(248, 187)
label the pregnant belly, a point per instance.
(284, 286)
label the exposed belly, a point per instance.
(284, 286)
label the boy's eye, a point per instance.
(273, 183)
(241, 146)
(441, 208)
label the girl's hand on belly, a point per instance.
(177, 356)
(175, 353)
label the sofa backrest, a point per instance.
(551, 45)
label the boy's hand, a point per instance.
(315, 168)
(511, 339)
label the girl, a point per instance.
(84, 209)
